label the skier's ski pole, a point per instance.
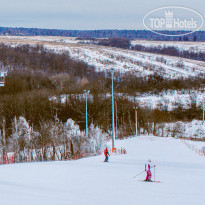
(138, 174)
(154, 173)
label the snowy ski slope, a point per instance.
(90, 181)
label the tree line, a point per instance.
(129, 34)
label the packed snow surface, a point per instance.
(90, 181)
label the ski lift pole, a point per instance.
(135, 108)
(113, 120)
(203, 112)
(86, 92)
(202, 89)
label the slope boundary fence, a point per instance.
(193, 148)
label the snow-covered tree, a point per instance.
(20, 140)
(97, 139)
(54, 141)
(75, 138)
(3, 143)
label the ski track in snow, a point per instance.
(90, 181)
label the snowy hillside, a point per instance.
(90, 181)
(139, 63)
(181, 45)
(105, 58)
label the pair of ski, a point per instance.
(149, 181)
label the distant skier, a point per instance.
(148, 167)
(106, 153)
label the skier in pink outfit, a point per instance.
(148, 167)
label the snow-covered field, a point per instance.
(139, 63)
(122, 60)
(90, 181)
(181, 45)
(17, 40)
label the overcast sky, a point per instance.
(85, 14)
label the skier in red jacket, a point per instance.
(106, 153)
